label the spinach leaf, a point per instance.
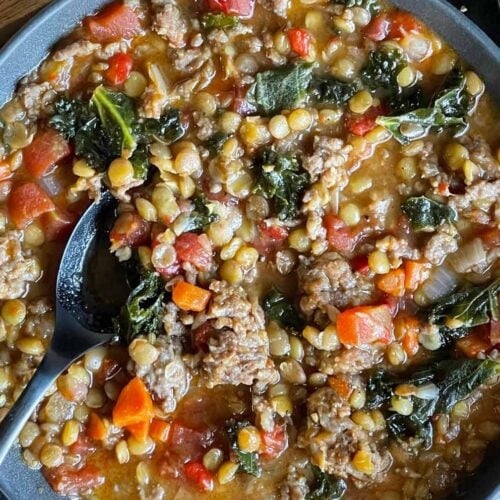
(143, 310)
(201, 216)
(382, 69)
(278, 308)
(373, 6)
(249, 462)
(449, 109)
(282, 181)
(328, 90)
(280, 88)
(426, 214)
(219, 21)
(326, 486)
(468, 307)
(215, 142)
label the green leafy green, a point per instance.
(280, 88)
(373, 6)
(326, 486)
(406, 101)
(142, 312)
(449, 109)
(426, 214)
(140, 162)
(248, 462)
(278, 308)
(282, 181)
(328, 90)
(215, 142)
(168, 129)
(202, 215)
(219, 21)
(382, 69)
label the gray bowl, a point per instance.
(31, 44)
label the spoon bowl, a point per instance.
(89, 292)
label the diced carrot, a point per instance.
(392, 283)
(300, 41)
(140, 430)
(96, 428)
(134, 404)
(27, 202)
(341, 386)
(115, 22)
(159, 430)
(416, 272)
(365, 324)
(190, 297)
(410, 343)
(5, 171)
(44, 152)
(406, 329)
(473, 344)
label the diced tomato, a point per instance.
(120, 66)
(83, 446)
(195, 249)
(473, 344)
(300, 41)
(270, 237)
(5, 171)
(57, 225)
(170, 271)
(364, 325)
(27, 202)
(403, 23)
(444, 188)
(362, 124)
(115, 22)
(200, 475)
(338, 233)
(360, 264)
(66, 480)
(392, 283)
(131, 230)
(378, 29)
(187, 442)
(274, 442)
(241, 8)
(44, 152)
(240, 105)
(495, 332)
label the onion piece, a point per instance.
(468, 256)
(441, 283)
(427, 391)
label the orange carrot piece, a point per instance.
(159, 430)
(140, 430)
(341, 386)
(134, 404)
(96, 428)
(473, 344)
(190, 297)
(407, 329)
(416, 272)
(365, 324)
(392, 283)
(410, 343)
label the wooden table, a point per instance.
(14, 13)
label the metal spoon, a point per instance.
(89, 290)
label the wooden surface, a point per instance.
(14, 13)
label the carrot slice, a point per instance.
(96, 428)
(416, 272)
(27, 202)
(159, 430)
(190, 297)
(140, 430)
(392, 283)
(341, 386)
(115, 22)
(134, 404)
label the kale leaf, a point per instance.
(406, 101)
(373, 6)
(219, 21)
(248, 462)
(328, 90)
(281, 180)
(168, 129)
(143, 310)
(278, 308)
(202, 214)
(215, 142)
(280, 88)
(448, 109)
(326, 486)
(382, 69)
(426, 214)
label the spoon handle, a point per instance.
(50, 367)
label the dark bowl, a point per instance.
(25, 51)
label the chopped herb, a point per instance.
(426, 214)
(281, 180)
(202, 214)
(278, 308)
(248, 462)
(215, 142)
(373, 6)
(326, 486)
(219, 21)
(382, 69)
(449, 109)
(329, 90)
(281, 88)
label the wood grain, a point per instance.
(14, 13)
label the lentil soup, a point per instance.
(309, 222)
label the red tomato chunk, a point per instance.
(115, 22)
(241, 8)
(130, 230)
(378, 29)
(195, 249)
(274, 443)
(27, 202)
(200, 475)
(120, 66)
(338, 233)
(68, 481)
(300, 41)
